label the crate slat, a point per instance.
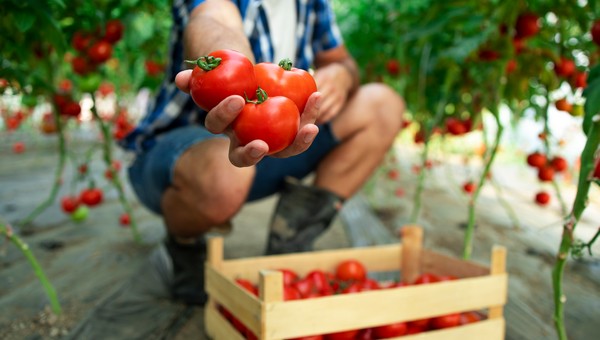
(217, 327)
(230, 295)
(360, 310)
(485, 329)
(377, 258)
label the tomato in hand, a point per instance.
(275, 120)
(351, 270)
(221, 74)
(284, 80)
(91, 197)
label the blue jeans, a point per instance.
(152, 171)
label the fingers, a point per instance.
(182, 80)
(247, 155)
(304, 138)
(312, 109)
(220, 117)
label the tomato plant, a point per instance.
(275, 120)
(285, 80)
(219, 75)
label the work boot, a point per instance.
(302, 214)
(188, 270)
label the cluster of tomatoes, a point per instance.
(546, 170)
(122, 125)
(350, 276)
(77, 205)
(95, 48)
(276, 95)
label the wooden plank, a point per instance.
(498, 267)
(446, 265)
(217, 327)
(486, 329)
(377, 258)
(360, 310)
(412, 247)
(244, 306)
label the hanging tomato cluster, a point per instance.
(95, 48)
(546, 170)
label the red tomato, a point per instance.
(247, 285)
(597, 170)
(91, 196)
(153, 68)
(419, 324)
(82, 169)
(536, 159)
(289, 276)
(274, 120)
(469, 187)
(426, 278)
(100, 52)
(71, 109)
(564, 67)
(113, 31)
(511, 66)
(527, 25)
(393, 67)
(18, 147)
(546, 174)
(369, 284)
(309, 337)
(69, 203)
(354, 287)
(595, 31)
(390, 331)
(469, 317)
(563, 105)
(351, 270)
(580, 79)
(319, 280)
(81, 41)
(291, 293)
(219, 75)
(455, 127)
(559, 164)
(81, 65)
(285, 80)
(305, 286)
(446, 321)
(488, 55)
(343, 335)
(124, 219)
(542, 198)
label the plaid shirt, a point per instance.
(316, 31)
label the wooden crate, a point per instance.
(269, 317)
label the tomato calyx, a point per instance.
(286, 64)
(207, 62)
(261, 97)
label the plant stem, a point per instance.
(107, 149)
(414, 216)
(468, 242)
(49, 289)
(62, 159)
(509, 210)
(579, 205)
(557, 191)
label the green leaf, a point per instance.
(24, 21)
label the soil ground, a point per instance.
(90, 262)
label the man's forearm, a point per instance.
(215, 25)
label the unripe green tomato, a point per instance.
(577, 111)
(80, 214)
(90, 83)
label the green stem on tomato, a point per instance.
(286, 64)
(579, 205)
(108, 160)
(207, 63)
(39, 272)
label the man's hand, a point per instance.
(219, 119)
(329, 81)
